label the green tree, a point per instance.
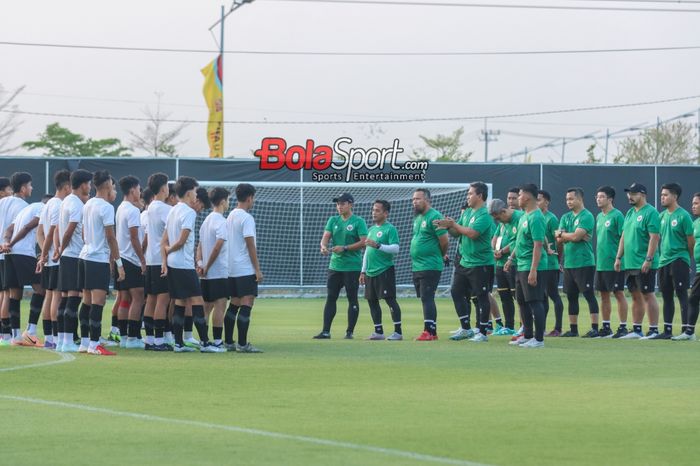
(442, 148)
(590, 155)
(58, 141)
(668, 144)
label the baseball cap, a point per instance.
(345, 197)
(636, 188)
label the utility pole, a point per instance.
(607, 141)
(658, 136)
(488, 136)
(698, 128)
(563, 149)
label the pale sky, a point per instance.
(312, 88)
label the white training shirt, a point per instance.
(49, 217)
(27, 245)
(157, 216)
(239, 225)
(128, 216)
(97, 215)
(71, 212)
(10, 206)
(144, 223)
(181, 217)
(214, 228)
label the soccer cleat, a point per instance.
(685, 337)
(452, 332)
(504, 332)
(162, 347)
(59, 346)
(479, 338)
(100, 350)
(49, 345)
(621, 332)
(348, 336)
(30, 340)
(395, 337)
(569, 334)
(122, 343)
(248, 348)
(70, 347)
(463, 334)
(519, 341)
(148, 347)
(649, 335)
(605, 333)
(426, 336)
(4, 342)
(322, 336)
(657, 336)
(115, 337)
(376, 336)
(554, 333)
(212, 348)
(193, 343)
(107, 342)
(183, 349)
(230, 347)
(592, 333)
(19, 341)
(533, 343)
(632, 336)
(83, 349)
(520, 331)
(135, 344)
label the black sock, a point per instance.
(46, 324)
(395, 310)
(115, 321)
(178, 323)
(623, 325)
(654, 328)
(95, 322)
(54, 328)
(636, 328)
(159, 325)
(84, 317)
(594, 327)
(668, 328)
(230, 323)
(574, 328)
(6, 327)
(379, 329)
(499, 322)
(690, 329)
(61, 319)
(606, 325)
(14, 313)
(134, 328)
(70, 318)
(217, 332)
(148, 325)
(353, 314)
(201, 322)
(464, 322)
(243, 322)
(189, 323)
(35, 304)
(123, 325)
(168, 325)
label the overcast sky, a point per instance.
(303, 88)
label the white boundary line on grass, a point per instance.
(67, 357)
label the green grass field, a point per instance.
(356, 402)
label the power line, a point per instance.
(360, 53)
(355, 122)
(494, 5)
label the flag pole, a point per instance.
(221, 64)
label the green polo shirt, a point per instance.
(379, 261)
(477, 252)
(345, 233)
(639, 224)
(530, 229)
(676, 226)
(608, 233)
(425, 246)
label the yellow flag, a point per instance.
(214, 96)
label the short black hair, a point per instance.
(157, 181)
(147, 195)
(45, 198)
(244, 191)
(4, 182)
(697, 194)
(385, 204)
(530, 189)
(607, 190)
(101, 177)
(481, 189)
(79, 177)
(218, 195)
(426, 192)
(184, 184)
(578, 192)
(171, 189)
(545, 194)
(203, 197)
(128, 183)
(19, 179)
(61, 178)
(515, 189)
(673, 188)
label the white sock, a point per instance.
(49, 338)
(67, 338)
(188, 335)
(85, 342)
(150, 339)
(168, 335)
(32, 329)
(93, 344)
(60, 337)
(159, 341)
(217, 342)
(115, 330)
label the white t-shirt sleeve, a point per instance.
(222, 231)
(54, 214)
(248, 227)
(107, 214)
(189, 220)
(75, 214)
(164, 215)
(133, 219)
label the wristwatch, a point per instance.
(649, 259)
(345, 248)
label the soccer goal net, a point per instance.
(290, 218)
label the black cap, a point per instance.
(636, 188)
(345, 197)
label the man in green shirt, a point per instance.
(551, 270)
(512, 198)
(475, 276)
(428, 255)
(609, 225)
(694, 300)
(348, 233)
(576, 235)
(676, 246)
(527, 256)
(503, 244)
(637, 256)
(378, 272)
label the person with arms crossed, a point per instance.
(551, 270)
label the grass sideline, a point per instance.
(575, 402)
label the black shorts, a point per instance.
(94, 275)
(243, 286)
(674, 276)
(68, 274)
(338, 280)
(505, 280)
(525, 293)
(472, 281)
(381, 286)
(579, 280)
(133, 278)
(551, 281)
(214, 289)
(155, 284)
(610, 281)
(426, 283)
(638, 281)
(2, 275)
(183, 283)
(20, 271)
(49, 278)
